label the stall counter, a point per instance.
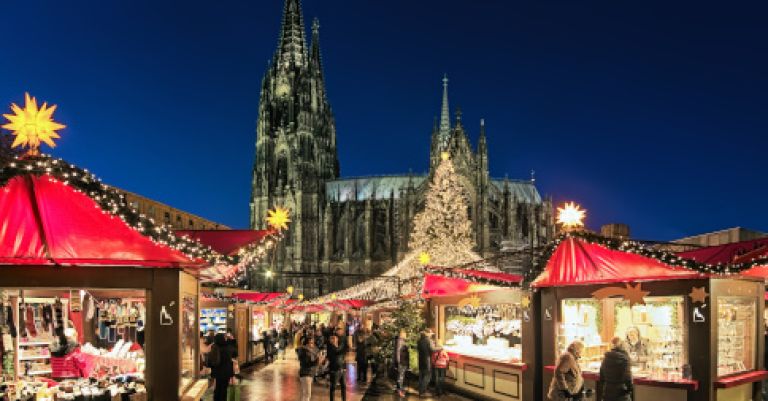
(486, 378)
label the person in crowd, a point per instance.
(337, 351)
(637, 347)
(373, 345)
(440, 361)
(298, 339)
(275, 341)
(307, 362)
(231, 343)
(284, 338)
(267, 344)
(361, 356)
(568, 383)
(615, 373)
(222, 369)
(401, 360)
(426, 348)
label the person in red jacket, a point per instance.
(440, 363)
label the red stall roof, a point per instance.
(736, 252)
(46, 222)
(258, 296)
(436, 285)
(577, 262)
(226, 242)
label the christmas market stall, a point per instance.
(486, 322)
(96, 299)
(691, 329)
(222, 308)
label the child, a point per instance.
(440, 362)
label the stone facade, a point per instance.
(360, 226)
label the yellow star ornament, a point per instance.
(32, 124)
(278, 218)
(526, 302)
(424, 258)
(698, 294)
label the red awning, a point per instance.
(436, 285)
(258, 296)
(46, 222)
(576, 262)
(736, 252)
(226, 242)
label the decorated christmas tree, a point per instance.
(409, 317)
(442, 232)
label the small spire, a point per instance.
(533, 176)
(458, 116)
(445, 114)
(315, 47)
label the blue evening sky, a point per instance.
(650, 113)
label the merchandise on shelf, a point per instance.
(213, 319)
(488, 331)
(653, 333)
(736, 342)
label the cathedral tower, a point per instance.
(295, 142)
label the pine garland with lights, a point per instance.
(114, 203)
(454, 273)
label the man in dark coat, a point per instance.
(426, 347)
(615, 373)
(401, 360)
(337, 351)
(222, 370)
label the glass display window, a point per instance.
(654, 334)
(213, 319)
(258, 324)
(736, 334)
(486, 331)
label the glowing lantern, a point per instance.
(278, 218)
(32, 124)
(571, 216)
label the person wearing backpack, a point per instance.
(222, 369)
(440, 360)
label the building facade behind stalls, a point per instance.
(360, 225)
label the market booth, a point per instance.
(74, 272)
(693, 335)
(488, 327)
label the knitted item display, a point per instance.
(30, 321)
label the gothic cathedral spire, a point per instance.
(291, 47)
(445, 116)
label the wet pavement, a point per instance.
(279, 381)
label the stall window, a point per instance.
(487, 331)
(653, 333)
(736, 338)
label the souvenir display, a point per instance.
(736, 342)
(653, 333)
(486, 331)
(213, 319)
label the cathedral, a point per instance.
(345, 229)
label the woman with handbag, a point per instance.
(567, 383)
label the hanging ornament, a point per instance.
(698, 294)
(278, 218)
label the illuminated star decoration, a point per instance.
(571, 216)
(445, 155)
(526, 302)
(424, 258)
(278, 218)
(698, 294)
(32, 124)
(634, 294)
